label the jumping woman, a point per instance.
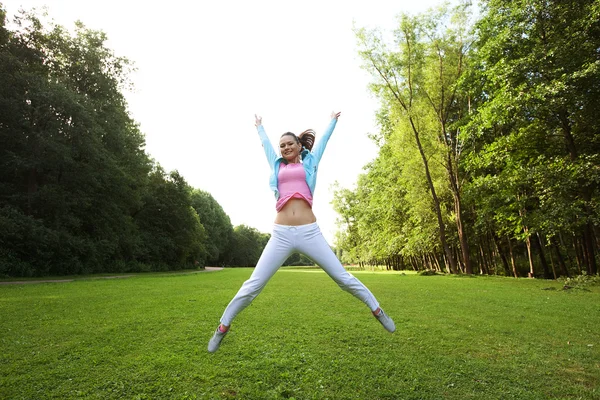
(293, 179)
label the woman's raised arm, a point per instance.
(266, 143)
(319, 148)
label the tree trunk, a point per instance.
(552, 264)
(484, 268)
(537, 243)
(578, 256)
(414, 264)
(501, 254)
(462, 235)
(588, 248)
(437, 262)
(561, 244)
(479, 263)
(490, 255)
(561, 262)
(443, 110)
(567, 135)
(457, 257)
(531, 273)
(436, 201)
(512, 258)
(432, 261)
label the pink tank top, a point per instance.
(292, 185)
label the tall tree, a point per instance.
(418, 82)
(172, 235)
(538, 91)
(78, 193)
(219, 231)
(68, 143)
(247, 246)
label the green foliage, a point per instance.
(534, 144)
(68, 144)
(219, 231)
(298, 259)
(489, 145)
(582, 281)
(171, 231)
(78, 193)
(406, 197)
(246, 246)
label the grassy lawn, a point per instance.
(145, 337)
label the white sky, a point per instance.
(204, 68)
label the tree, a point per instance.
(78, 193)
(510, 121)
(536, 90)
(68, 143)
(172, 235)
(388, 218)
(418, 84)
(246, 247)
(219, 231)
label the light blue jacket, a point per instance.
(310, 159)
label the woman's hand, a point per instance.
(335, 115)
(258, 121)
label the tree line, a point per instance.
(489, 142)
(78, 193)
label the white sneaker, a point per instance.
(386, 321)
(215, 340)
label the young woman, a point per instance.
(293, 179)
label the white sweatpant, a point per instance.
(285, 239)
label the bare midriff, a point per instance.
(295, 212)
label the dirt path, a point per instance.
(206, 269)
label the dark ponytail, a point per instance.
(307, 139)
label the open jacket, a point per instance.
(310, 159)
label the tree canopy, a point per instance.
(78, 192)
(488, 142)
(488, 153)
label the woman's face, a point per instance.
(289, 148)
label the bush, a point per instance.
(428, 272)
(581, 281)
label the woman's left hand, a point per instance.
(335, 115)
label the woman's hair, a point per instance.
(306, 138)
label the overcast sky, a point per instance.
(204, 68)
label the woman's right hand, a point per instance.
(258, 121)
(335, 115)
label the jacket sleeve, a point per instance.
(267, 146)
(322, 143)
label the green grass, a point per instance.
(145, 337)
